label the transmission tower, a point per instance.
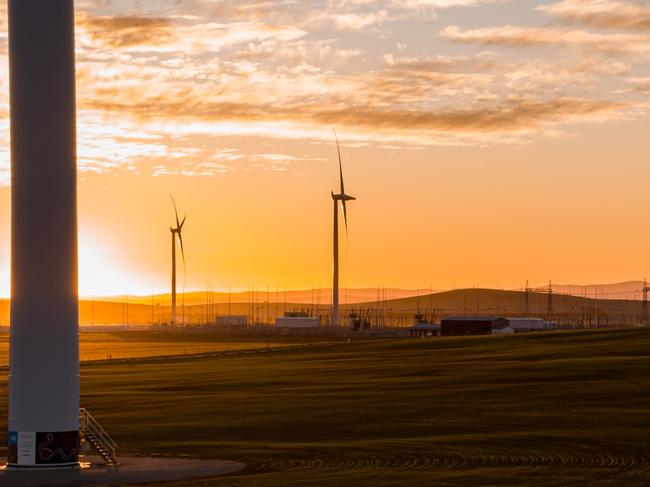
(644, 305)
(527, 301)
(549, 302)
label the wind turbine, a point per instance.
(176, 232)
(343, 198)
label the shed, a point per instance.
(471, 325)
(523, 325)
(425, 330)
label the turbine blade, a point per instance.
(180, 240)
(175, 210)
(338, 149)
(180, 227)
(347, 234)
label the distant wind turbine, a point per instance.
(176, 232)
(343, 198)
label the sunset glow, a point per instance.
(488, 142)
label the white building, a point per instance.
(297, 322)
(524, 325)
(232, 320)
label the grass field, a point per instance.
(120, 345)
(549, 409)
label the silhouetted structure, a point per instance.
(549, 302)
(471, 325)
(644, 304)
(176, 233)
(44, 350)
(421, 329)
(343, 198)
(527, 300)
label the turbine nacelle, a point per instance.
(342, 197)
(179, 228)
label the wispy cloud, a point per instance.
(512, 36)
(160, 81)
(640, 85)
(604, 14)
(511, 115)
(128, 31)
(137, 33)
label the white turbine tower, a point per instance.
(44, 345)
(176, 232)
(343, 198)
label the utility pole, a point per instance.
(584, 316)
(644, 305)
(385, 302)
(527, 301)
(596, 316)
(549, 302)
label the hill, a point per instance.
(621, 290)
(567, 309)
(304, 297)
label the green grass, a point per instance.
(147, 344)
(549, 409)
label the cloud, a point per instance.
(347, 15)
(129, 31)
(512, 36)
(513, 115)
(487, 76)
(193, 170)
(322, 52)
(604, 14)
(222, 161)
(301, 87)
(640, 85)
(159, 81)
(509, 116)
(176, 34)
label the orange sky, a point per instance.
(487, 142)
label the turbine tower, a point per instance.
(343, 199)
(176, 232)
(44, 345)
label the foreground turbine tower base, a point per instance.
(44, 342)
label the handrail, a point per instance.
(88, 423)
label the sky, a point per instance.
(487, 141)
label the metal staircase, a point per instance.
(95, 436)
